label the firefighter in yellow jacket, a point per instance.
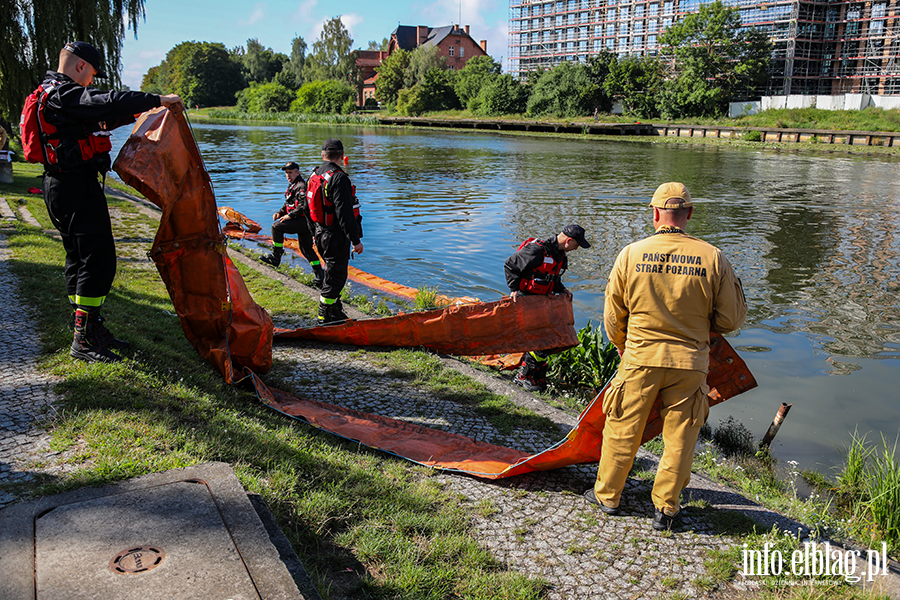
(665, 294)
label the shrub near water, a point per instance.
(586, 367)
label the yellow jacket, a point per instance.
(665, 294)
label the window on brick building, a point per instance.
(450, 51)
(462, 51)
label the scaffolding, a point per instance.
(819, 46)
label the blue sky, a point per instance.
(275, 23)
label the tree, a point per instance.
(712, 61)
(390, 76)
(382, 45)
(292, 75)
(202, 73)
(563, 91)
(472, 78)
(433, 92)
(33, 32)
(331, 56)
(636, 83)
(597, 68)
(503, 95)
(261, 64)
(422, 60)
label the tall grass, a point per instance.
(851, 479)
(428, 299)
(882, 488)
(868, 487)
(291, 117)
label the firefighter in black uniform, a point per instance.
(537, 268)
(72, 190)
(294, 218)
(334, 211)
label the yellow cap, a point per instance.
(672, 195)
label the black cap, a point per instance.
(333, 145)
(576, 232)
(289, 166)
(90, 54)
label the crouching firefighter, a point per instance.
(537, 268)
(294, 218)
(334, 211)
(65, 126)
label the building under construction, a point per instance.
(820, 47)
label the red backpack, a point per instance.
(40, 139)
(321, 209)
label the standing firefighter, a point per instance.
(65, 125)
(334, 210)
(537, 268)
(665, 294)
(293, 217)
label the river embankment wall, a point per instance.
(766, 134)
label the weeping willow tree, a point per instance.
(32, 32)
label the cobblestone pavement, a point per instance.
(25, 394)
(536, 523)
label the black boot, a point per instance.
(337, 311)
(105, 335)
(532, 374)
(274, 258)
(318, 277)
(329, 316)
(86, 345)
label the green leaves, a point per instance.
(713, 61)
(587, 366)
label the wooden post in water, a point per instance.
(776, 424)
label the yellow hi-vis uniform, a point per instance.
(665, 294)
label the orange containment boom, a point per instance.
(220, 319)
(241, 227)
(531, 323)
(728, 377)
(230, 330)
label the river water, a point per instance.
(813, 238)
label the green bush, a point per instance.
(733, 439)
(267, 97)
(753, 136)
(564, 91)
(503, 95)
(323, 97)
(587, 366)
(410, 102)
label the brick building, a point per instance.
(455, 44)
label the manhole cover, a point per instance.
(137, 560)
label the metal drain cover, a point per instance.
(137, 560)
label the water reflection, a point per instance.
(810, 236)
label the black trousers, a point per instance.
(303, 228)
(78, 209)
(335, 249)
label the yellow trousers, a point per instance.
(627, 405)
